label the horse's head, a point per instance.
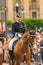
(32, 36)
(29, 36)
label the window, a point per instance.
(33, 0)
(2, 8)
(34, 14)
(18, 1)
(0, 15)
(3, 16)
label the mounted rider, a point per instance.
(18, 28)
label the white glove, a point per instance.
(19, 35)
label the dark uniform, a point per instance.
(41, 47)
(18, 27)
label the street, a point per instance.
(23, 64)
(5, 64)
(8, 64)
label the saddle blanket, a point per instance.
(11, 43)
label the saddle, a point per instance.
(12, 54)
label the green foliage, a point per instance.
(33, 23)
(2, 20)
(9, 23)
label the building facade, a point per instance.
(27, 8)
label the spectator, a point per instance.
(41, 47)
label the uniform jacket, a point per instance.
(18, 27)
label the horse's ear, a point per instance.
(32, 32)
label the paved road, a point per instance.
(5, 64)
(8, 64)
(22, 64)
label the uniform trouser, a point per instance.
(10, 47)
(41, 53)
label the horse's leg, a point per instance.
(8, 57)
(28, 57)
(16, 63)
(28, 62)
(1, 58)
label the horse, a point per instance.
(1, 58)
(1, 54)
(21, 49)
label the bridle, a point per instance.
(31, 40)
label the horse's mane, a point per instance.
(25, 36)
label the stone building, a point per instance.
(27, 8)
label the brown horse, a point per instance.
(22, 50)
(1, 58)
(1, 54)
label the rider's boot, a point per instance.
(11, 56)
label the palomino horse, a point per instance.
(22, 50)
